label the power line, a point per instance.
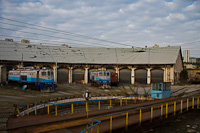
(53, 42)
(32, 38)
(191, 43)
(51, 36)
(32, 28)
(69, 33)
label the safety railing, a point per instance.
(22, 109)
(189, 101)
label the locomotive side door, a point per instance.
(38, 77)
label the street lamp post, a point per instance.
(87, 96)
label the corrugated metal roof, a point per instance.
(12, 51)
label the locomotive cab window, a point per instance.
(160, 87)
(168, 86)
(108, 74)
(43, 73)
(100, 74)
(164, 87)
(10, 73)
(49, 74)
(104, 73)
(155, 87)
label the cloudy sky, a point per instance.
(103, 23)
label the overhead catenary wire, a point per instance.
(61, 42)
(68, 33)
(189, 43)
(52, 36)
(32, 28)
(46, 41)
(65, 32)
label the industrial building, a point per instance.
(74, 64)
(193, 75)
(186, 56)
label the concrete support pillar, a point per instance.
(164, 74)
(117, 71)
(133, 75)
(4, 77)
(168, 74)
(55, 73)
(103, 69)
(172, 75)
(70, 74)
(86, 76)
(0, 73)
(148, 76)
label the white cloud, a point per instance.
(175, 16)
(131, 26)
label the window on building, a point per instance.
(198, 73)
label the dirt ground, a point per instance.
(12, 95)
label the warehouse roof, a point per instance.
(12, 51)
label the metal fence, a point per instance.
(188, 101)
(22, 109)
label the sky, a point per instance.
(103, 23)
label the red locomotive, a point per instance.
(114, 78)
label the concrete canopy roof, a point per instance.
(12, 51)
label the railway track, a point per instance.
(182, 92)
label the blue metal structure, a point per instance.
(34, 78)
(160, 90)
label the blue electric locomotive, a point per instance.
(40, 79)
(100, 78)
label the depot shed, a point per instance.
(74, 64)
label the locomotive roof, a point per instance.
(12, 51)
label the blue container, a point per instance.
(161, 90)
